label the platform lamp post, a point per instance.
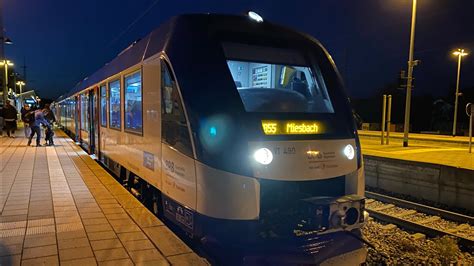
(3, 40)
(6, 40)
(411, 64)
(21, 84)
(5, 63)
(459, 53)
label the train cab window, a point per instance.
(277, 80)
(85, 112)
(103, 105)
(133, 103)
(174, 126)
(115, 104)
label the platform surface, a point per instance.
(58, 206)
(414, 137)
(434, 149)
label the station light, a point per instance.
(263, 156)
(7, 41)
(255, 16)
(349, 152)
(7, 63)
(460, 52)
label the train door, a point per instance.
(178, 168)
(85, 128)
(67, 122)
(77, 118)
(94, 122)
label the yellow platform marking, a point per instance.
(413, 151)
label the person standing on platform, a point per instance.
(36, 119)
(26, 108)
(49, 116)
(10, 116)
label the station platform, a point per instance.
(424, 148)
(58, 206)
(424, 138)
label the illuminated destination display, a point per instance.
(290, 127)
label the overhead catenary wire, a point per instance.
(135, 21)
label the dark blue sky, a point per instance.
(65, 41)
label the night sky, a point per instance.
(65, 41)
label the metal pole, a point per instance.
(411, 64)
(470, 129)
(382, 130)
(457, 94)
(2, 51)
(389, 118)
(2, 33)
(5, 82)
(14, 82)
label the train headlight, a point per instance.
(253, 15)
(349, 152)
(263, 156)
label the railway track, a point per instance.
(429, 221)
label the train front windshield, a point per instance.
(277, 80)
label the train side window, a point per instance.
(133, 102)
(85, 111)
(174, 128)
(115, 104)
(103, 105)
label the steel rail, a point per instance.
(416, 227)
(452, 216)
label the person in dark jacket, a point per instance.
(10, 116)
(35, 124)
(26, 108)
(49, 114)
(49, 133)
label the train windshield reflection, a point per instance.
(280, 87)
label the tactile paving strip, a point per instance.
(38, 230)
(12, 232)
(40, 222)
(12, 225)
(69, 227)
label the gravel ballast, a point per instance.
(397, 247)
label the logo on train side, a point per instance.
(169, 165)
(149, 160)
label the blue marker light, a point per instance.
(213, 131)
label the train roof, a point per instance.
(132, 55)
(156, 42)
